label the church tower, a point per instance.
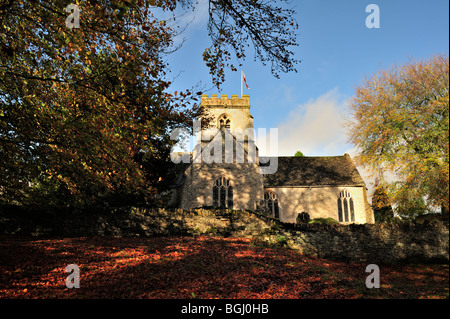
(230, 135)
(234, 111)
(225, 166)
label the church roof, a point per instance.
(315, 171)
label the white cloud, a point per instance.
(185, 20)
(195, 17)
(314, 128)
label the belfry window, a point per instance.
(223, 193)
(346, 209)
(271, 201)
(224, 122)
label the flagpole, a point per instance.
(242, 88)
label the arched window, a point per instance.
(346, 209)
(224, 122)
(223, 193)
(271, 200)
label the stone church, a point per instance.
(225, 170)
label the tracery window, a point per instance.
(271, 200)
(223, 193)
(346, 209)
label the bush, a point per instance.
(303, 217)
(323, 221)
(281, 241)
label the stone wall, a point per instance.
(369, 243)
(129, 222)
(408, 242)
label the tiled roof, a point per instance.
(315, 171)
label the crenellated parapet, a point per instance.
(225, 102)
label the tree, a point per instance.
(299, 154)
(78, 105)
(381, 205)
(233, 24)
(85, 113)
(400, 126)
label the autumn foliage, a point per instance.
(400, 126)
(197, 267)
(381, 206)
(84, 112)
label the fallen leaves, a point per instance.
(196, 267)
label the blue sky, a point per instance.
(336, 50)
